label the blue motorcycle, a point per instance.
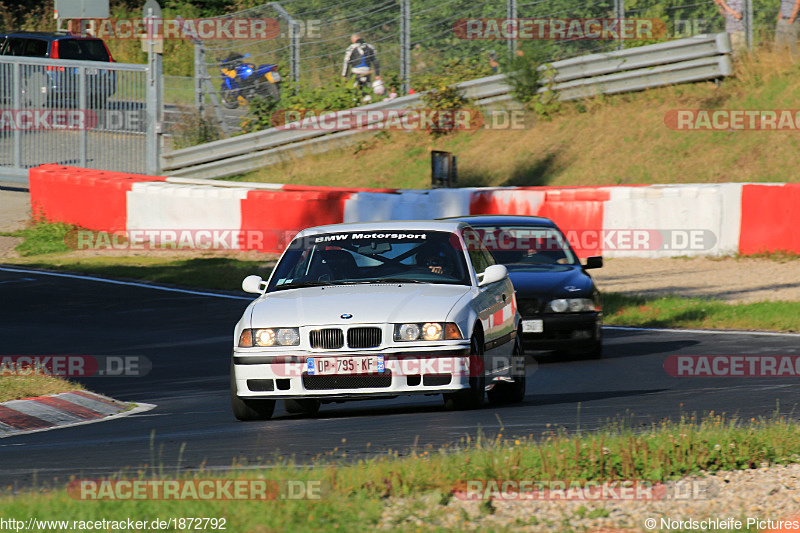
(242, 81)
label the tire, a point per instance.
(249, 409)
(473, 397)
(229, 97)
(505, 392)
(308, 407)
(274, 92)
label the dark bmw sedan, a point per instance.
(559, 303)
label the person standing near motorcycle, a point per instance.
(361, 59)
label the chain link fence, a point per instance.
(416, 38)
(84, 113)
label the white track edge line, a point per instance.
(118, 282)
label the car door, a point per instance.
(495, 301)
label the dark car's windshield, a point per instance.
(371, 257)
(527, 248)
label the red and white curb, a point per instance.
(66, 409)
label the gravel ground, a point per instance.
(15, 209)
(759, 494)
(729, 279)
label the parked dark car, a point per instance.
(51, 86)
(559, 303)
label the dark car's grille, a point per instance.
(354, 381)
(329, 339)
(364, 337)
(529, 306)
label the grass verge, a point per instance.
(18, 385)
(676, 312)
(45, 246)
(212, 272)
(364, 492)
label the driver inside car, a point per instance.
(435, 258)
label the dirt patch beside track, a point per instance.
(730, 279)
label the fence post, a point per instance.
(16, 98)
(511, 14)
(83, 102)
(199, 68)
(294, 40)
(405, 45)
(748, 22)
(619, 14)
(294, 49)
(155, 78)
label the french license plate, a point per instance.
(353, 364)
(532, 326)
(91, 71)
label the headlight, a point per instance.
(269, 337)
(428, 331)
(572, 305)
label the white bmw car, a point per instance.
(378, 310)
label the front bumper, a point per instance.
(421, 371)
(568, 331)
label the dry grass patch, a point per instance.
(19, 385)
(607, 140)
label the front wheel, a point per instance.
(230, 98)
(471, 398)
(273, 92)
(249, 409)
(505, 392)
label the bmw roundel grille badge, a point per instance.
(346, 316)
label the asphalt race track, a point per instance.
(188, 339)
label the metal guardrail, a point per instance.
(91, 114)
(251, 151)
(684, 60)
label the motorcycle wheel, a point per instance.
(230, 98)
(273, 91)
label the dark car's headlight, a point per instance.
(571, 305)
(269, 337)
(427, 331)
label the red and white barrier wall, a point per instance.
(641, 221)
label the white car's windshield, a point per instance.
(522, 248)
(371, 257)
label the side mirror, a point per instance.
(493, 274)
(593, 262)
(254, 284)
